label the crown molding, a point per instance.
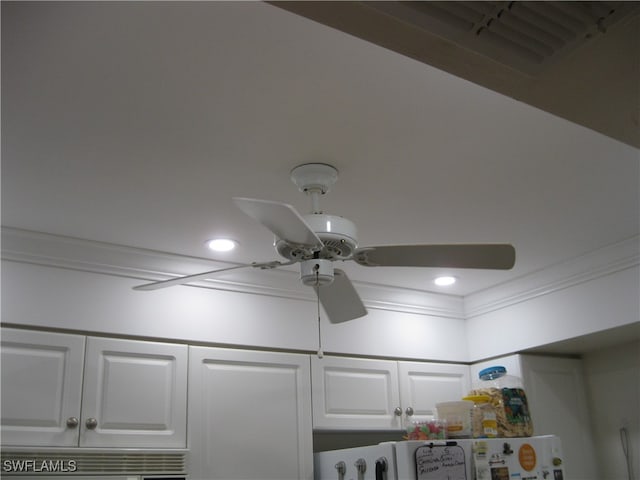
(57, 251)
(598, 263)
(149, 265)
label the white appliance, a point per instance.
(530, 458)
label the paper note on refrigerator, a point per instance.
(440, 462)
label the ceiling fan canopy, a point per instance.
(317, 240)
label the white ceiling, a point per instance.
(135, 124)
(577, 60)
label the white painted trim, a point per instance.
(599, 263)
(105, 258)
(148, 265)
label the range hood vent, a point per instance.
(523, 35)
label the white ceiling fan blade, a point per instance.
(340, 300)
(282, 219)
(201, 276)
(487, 256)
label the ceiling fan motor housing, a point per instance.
(338, 235)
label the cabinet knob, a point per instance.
(72, 422)
(91, 423)
(409, 411)
(398, 411)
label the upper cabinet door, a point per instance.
(249, 415)
(355, 393)
(135, 394)
(41, 388)
(423, 385)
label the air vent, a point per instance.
(80, 462)
(522, 34)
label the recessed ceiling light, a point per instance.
(445, 281)
(222, 244)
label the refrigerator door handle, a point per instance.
(381, 468)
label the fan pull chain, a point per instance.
(320, 352)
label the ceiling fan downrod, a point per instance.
(314, 179)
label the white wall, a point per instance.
(67, 299)
(400, 334)
(52, 297)
(42, 286)
(613, 386)
(595, 305)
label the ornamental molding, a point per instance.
(56, 251)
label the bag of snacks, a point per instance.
(430, 430)
(509, 400)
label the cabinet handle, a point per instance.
(398, 411)
(72, 422)
(409, 411)
(91, 423)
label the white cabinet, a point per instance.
(41, 387)
(355, 393)
(133, 392)
(424, 384)
(366, 394)
(557, 399)
(249, 415)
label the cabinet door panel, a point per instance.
(41, 387)
(136, 392)
(353, 393)
(423, 385)
(558, 402)
(249, 415)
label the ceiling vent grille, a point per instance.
(71, 462)
(523, 35)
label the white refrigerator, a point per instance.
(527, 458)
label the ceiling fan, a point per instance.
(317, 240)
